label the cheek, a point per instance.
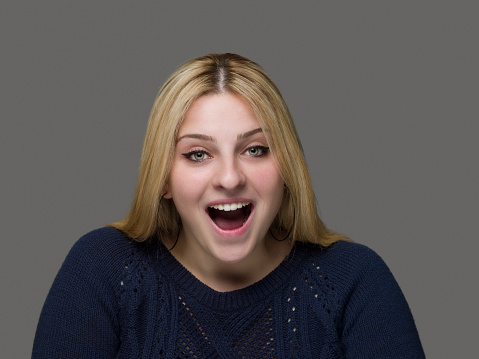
(185, 186)
(268, 181)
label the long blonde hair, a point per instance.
(216, 74)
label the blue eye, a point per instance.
(196, 156)
(257, 151)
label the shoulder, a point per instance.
(351, 250)
(101, 244)
(355, 260)
(346, 256)
(87, 292)
(363, 300)
(101, 265)
(100, 254)
(348, 265)
(104, 237)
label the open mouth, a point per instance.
(230, 216)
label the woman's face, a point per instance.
(224, 180)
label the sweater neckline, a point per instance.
(188, 285)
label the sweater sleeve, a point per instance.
(80, 316)
(377, 321)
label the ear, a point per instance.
(166, 192)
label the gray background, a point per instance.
(384, 95)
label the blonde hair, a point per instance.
(216, 74)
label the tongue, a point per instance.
(228, 220)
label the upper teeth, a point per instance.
(229, 206)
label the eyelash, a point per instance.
(189, 155)
(263, 150)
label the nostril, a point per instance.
(230, 177)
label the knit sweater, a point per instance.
(116, 298)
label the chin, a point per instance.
(232, 253)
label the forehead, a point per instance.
(210, 112)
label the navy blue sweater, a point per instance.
(115, 298)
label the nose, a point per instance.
(229, 175)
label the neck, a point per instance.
(225, 277)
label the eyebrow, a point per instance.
(249, 133)
(200, 136)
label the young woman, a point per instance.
(222, 254)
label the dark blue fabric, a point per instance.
(115, 298)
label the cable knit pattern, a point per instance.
(115, 298)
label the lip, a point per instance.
(237, 232)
